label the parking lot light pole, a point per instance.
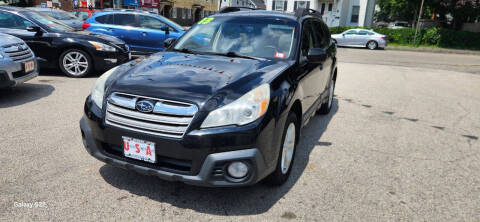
(418, 22)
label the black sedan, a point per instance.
(57, 45)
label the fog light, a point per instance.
(237, 169)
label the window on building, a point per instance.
(323, 8)
(189, 13)
(184, 13)
(174, 13)
(301, 4)
(279, 5)
(355, 12)
(330, 7)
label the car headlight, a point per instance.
(102, 47)
(244, 110)
(98, 90)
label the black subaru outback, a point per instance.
(222, 106)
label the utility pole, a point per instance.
(418, 22)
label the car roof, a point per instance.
(259, 13)
(14, 9)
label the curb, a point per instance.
(433, 50)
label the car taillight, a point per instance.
(384, 37)
(85, 25)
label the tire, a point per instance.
(327, 106)
(287, 151)
(75, 63)
(372, 45)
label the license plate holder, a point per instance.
(29, 66)
(139, 149)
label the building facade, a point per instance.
(241, 3)
(187, 12)
(335, 12)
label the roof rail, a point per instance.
(306, 11)
(235, 9)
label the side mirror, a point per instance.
(165, 29)
(317, 55)
(168, 42)
(36, 29)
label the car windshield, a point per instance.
(246, 36)
(51, 23)
(60, 15)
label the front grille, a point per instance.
(19, 74)
(17, 52)
(168, 118)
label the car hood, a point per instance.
(90, 36)
(9, 39)
(194, 78)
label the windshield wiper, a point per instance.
(234, 54)
(185, 50)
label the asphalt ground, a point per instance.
(400, 144)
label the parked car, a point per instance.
(144, 32)
(17, 61)
(58, 45)
(398, 25)
(361, 38)
(63, 16)
(226, 113)
(83, 13)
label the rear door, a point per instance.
(362, 38)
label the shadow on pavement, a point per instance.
(24, 93)
(252, 200)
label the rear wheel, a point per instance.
(75, 63)
(287, 152)
(372, 45)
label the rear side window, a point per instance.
(124, 19)
(362, 32)
(104, 19)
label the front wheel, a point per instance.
(287, 152)
(75, 63)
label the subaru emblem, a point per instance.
(144, 106)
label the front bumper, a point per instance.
(212, 172)
(107, 60)
(12, 73)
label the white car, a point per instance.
(360, 38)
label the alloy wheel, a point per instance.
(288, 148)
(75, 63)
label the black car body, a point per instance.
(166, 99)
(52, 41)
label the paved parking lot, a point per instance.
(401, 144)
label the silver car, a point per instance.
(17, 61)
(63, 16)
(360, 38)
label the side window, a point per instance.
(307, 39)
(363, 32)
(148, 22)
(124, 19)
(84, 15)
(322, 35)
(351, 32)
(104, 19)
(9, 20)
